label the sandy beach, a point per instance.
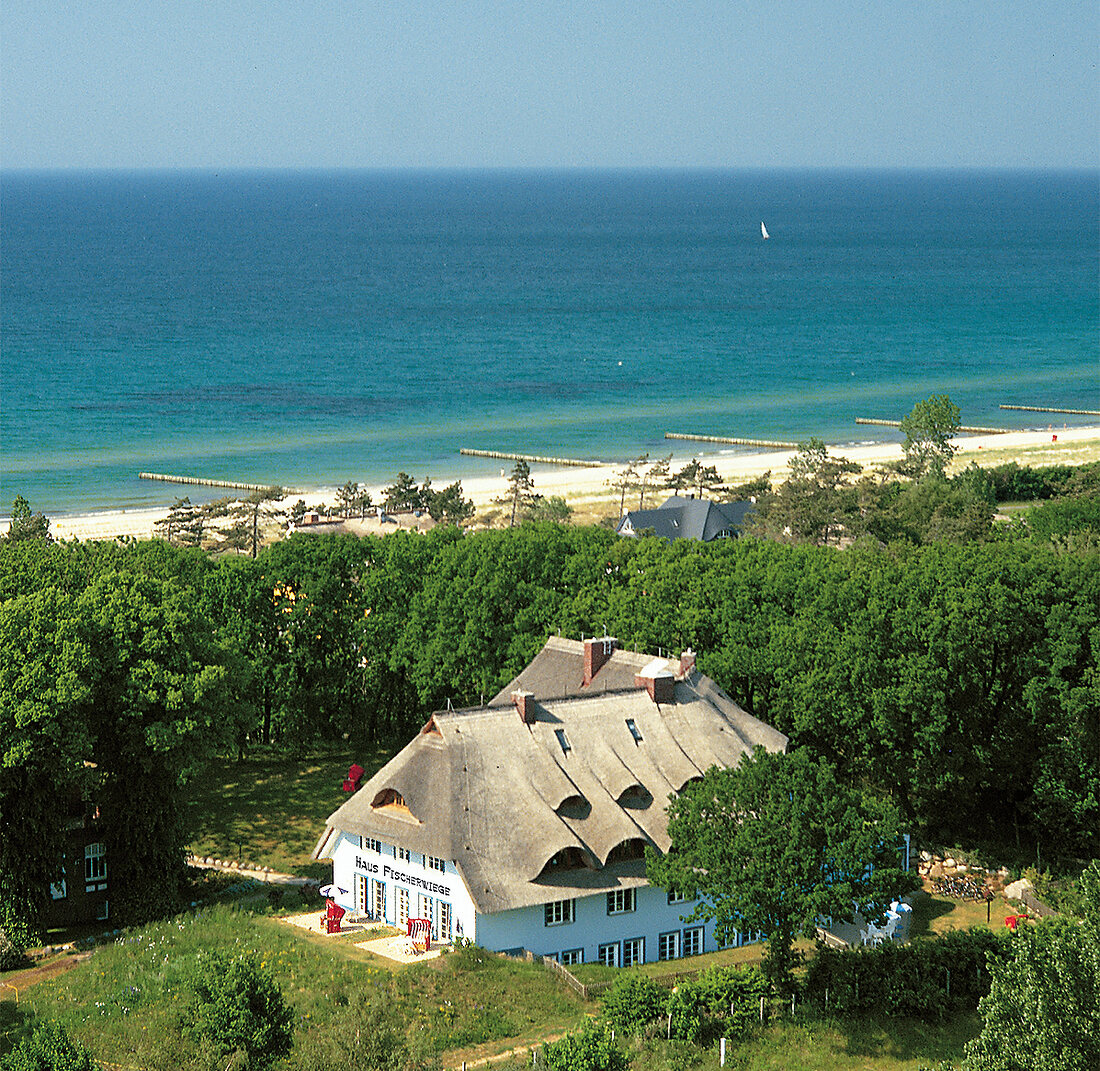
(587, 491)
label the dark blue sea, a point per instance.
(312, 328)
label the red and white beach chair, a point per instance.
(420, 933)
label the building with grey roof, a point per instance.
(688, 518)
(523, 823)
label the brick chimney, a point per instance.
(658, 681)
(596, 654)
(525, 704)
(687, 662)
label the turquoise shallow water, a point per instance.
(310, 328)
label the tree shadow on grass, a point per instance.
(14, 1024)
(908, 1039)
(926, 909)
(271, 807)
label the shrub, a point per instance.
(592, 1049)
(16, 935)
(926, 979)
(238, 1007)
(721, 1001)
(634, 1001)
(48, 1048)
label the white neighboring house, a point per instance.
(522, 824)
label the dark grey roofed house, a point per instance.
(688, 518)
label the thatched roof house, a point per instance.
(547, 794)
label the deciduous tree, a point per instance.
(1043, 1008)
(775, 845)
(928, 431)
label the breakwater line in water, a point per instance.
(573, 462)
(201, 482)
(961, 427)
(735, 442)
(1044, 409)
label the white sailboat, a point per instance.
(764, 230)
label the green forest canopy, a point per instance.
(958, 680)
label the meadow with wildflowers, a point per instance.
(129, 1002)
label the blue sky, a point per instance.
(589, 83)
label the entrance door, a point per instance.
(361, 904)
(402, 908)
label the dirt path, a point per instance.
(15, 984)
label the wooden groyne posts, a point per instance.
(574, 462)
(1043, 409)
(962, 427)
(735, 442)
(198, 480)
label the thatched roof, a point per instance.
(502, 796)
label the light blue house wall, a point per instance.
(593, 926)
(359, 868)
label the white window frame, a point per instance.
(432, 863)
(571, 957)
(402, 854)
(622, 901)
(668, 945)
(446, 921)
(676, 897)
(401, 908)
(59, 890)
(633, 951)
(609, 955)
(694, 941)
(378, 900)
(95, 867)
(559, 912)
(372, 844)
(425, 909)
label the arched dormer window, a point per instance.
(391, 802)
(634, 796)
(632, 848)
(575, 806)
(570, 858)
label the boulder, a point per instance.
(1015, 890)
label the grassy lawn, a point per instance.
(271, 807)
(126, 1002)
(749, 954)
(934, 915)
(809, 1045)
